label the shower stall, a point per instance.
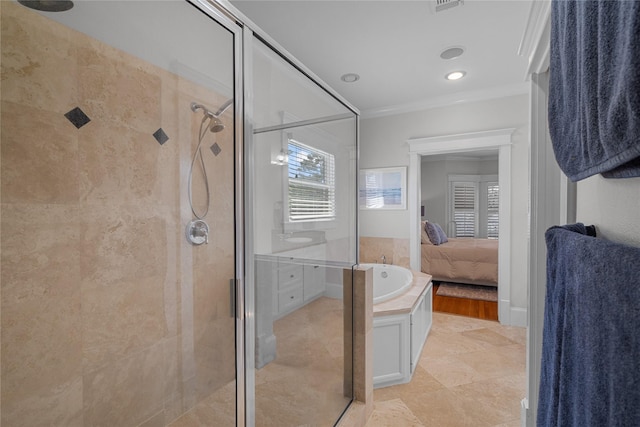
(177, 208)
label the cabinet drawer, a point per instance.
(289, 275)
(289, 298)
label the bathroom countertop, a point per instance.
(405, 302)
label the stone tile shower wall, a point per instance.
(109, 317)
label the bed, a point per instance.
(461, 260)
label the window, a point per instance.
(493, 204)
(474, 202)
(465, 208)
(312, 194)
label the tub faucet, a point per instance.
(384, 259)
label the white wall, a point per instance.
(383, 144)
(435, 184)
(283, 95)
(613, 206)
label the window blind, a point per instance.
(493, 205)
(311, 176)
(464, 208)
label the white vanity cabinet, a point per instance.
(283, 285)
(314, 282)
(295, 283)
(288, 286)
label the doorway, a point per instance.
(499, 140)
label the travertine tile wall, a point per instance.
(109, 317)
(396, 251)
(358, 286)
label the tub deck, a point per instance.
(406, 302)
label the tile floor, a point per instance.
(303, 386)
(471, 373)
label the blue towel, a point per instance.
(590, 371)
(594, 87)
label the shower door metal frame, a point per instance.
(224, 18)
(244, 31)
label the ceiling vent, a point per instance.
(441, 5)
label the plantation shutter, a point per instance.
(312, 193)
(493, 204)
(464, 208)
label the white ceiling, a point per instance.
(395, 47)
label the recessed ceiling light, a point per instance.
(455, 75)
(452, 52)
(350, 77)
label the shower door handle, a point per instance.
(232, 297)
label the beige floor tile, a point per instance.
(503, 361)
(393, 413)
(500, 395)
(471, 373)
(444, 408)
(514, 333)
(451, 371)
(488, 336)
(454, 323)
(444, 344)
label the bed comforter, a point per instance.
(462, 260)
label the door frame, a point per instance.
(499, 139)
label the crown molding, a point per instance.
(459, 143)
(450, 99)
(536, 37)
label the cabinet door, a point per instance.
(314, 281)
(418, 329)
(391, 349)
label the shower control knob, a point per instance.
(197, 232)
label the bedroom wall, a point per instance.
(383, 144)
(435, 184)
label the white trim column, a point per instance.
(504, 245)
(414, 192)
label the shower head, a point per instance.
(216, 124)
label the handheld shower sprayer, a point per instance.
(198, 230)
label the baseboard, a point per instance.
(265, 350)
(518, 317)
(511, 316)
(333, 290)
(524, 411)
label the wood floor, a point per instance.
(486, 310)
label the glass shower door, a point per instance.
(119, 130)
(302, 218)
